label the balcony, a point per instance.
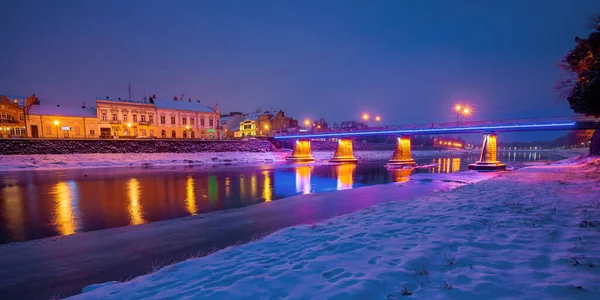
(144, 123)
(114, 122)
(8, 121)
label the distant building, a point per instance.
(230, 124)
(266, 124)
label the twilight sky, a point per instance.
(406, 60)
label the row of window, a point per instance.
(8, 117)
(163, 120)
(115, 117)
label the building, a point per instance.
(230, 124)
(180, 118)
(266, 124)
(12, 115)
(248, 125)
(157, 118)
(55, 121)
(125, 118)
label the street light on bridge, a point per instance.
(463, 110)
(378, 118)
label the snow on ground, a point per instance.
(70, 161)
(529, 234)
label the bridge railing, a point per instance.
(467, 124)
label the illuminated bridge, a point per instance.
(402, 156)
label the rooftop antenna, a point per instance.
(182, 95)
(145, 96)
(129, 89)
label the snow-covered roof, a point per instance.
(62, 111)
(188, 105)
(232, 123)
(254, 116)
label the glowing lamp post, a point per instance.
(306, 123)
(463, 110)
(56, 123)
(457, 108)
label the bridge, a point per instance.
(402, 153)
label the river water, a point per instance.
(39, 204)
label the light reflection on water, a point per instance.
(49, 203)
(64, 210)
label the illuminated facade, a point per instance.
(189, 119)
(157, 118)
(12, 115)
(125, 119)
(53, 121)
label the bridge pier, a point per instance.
(488, 159)
(343, 153)
(401, 156)
(302, 152)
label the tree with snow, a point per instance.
(581, 85)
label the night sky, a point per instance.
(408, 61)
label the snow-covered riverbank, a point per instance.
(529, 234)
(76, 161)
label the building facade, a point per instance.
(180, 118)
(125, 119)
(266, 124)
(12, 116)
(157, 118)
(56, 122)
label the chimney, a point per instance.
(189, 99)
(83, 106)
(175, 98)
(119, 98)
(106, 97)
(198, 101)
(57, 105)
(154, 96)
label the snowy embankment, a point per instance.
(70, 161)
(529, 234)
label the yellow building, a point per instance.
(12, 116)
(126, 118)
(54, 121)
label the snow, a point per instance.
(71, 161)
(528, 234)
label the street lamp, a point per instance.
(457, 108)
(365, 117)
(306, 122)
(56, 123)
(378, 118)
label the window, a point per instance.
(172, 121)
(48, 129)
(92, 132)
(134, 118)
(192, 134)
(143, 132)
(103, 116)
(76, 130)
(202, 122)
(143, 118)
(162, 120)
(21, 117)
(185, 134)
(173, 135)
(151, 118)
(125, 117)
(151, 132)
(163, 133)
(115, 118)
(210, 122)
(184, 121)
(191, 121)
(135, 131)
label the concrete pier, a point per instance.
(401, 156)
(302, 152)
(344, 153)
(488, 160)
